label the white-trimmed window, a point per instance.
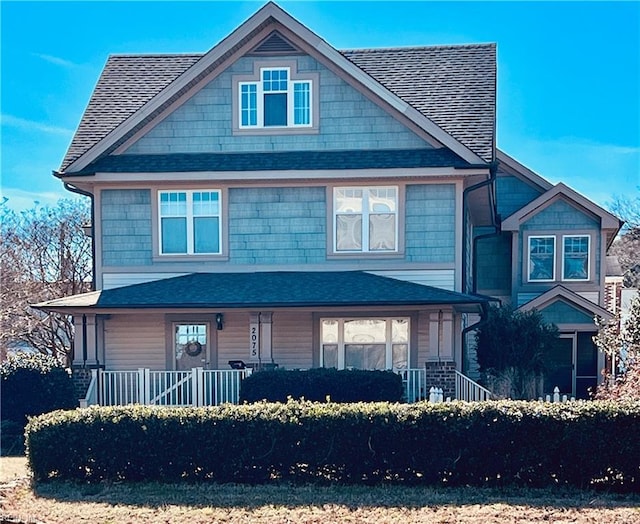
(542, 258)
(276, 100)
(364, 343)
(189, 222)
(575, 257)
(365, 219)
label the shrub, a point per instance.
(584, 444)
(32, 384)
(319, 383)
(513, 348)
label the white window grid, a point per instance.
(296, 90)
(189, 204)
(553, 258)
(363, 202)
(574, 249)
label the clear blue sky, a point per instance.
(568, 73)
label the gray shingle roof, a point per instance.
(267, 289)
(275, 161)
(454, 86)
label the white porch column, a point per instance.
(254, 337)
(84, 340)
(441, 336)
(266, 354)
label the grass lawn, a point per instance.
(199, 503)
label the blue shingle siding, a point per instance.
(493, 259)
(561, 216)
(430, 223)
(348, 120)
(513, 194)
(562, 313)
(277, 225)
(126, 227)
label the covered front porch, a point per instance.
(213, 387)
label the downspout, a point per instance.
(74, 189)
(77, 190)
(493, 170)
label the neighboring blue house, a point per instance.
(277, 201)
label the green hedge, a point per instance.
(317, 384)
(585, 444)
(32, 384)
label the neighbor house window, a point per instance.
(365, 219)
(542, 258)
(575, 257)
(365, 343)
(275, 100)
(189, 222)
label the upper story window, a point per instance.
(544, 264)
(276, 100)
(575, 257)
(189, 222)
(365, 219)
(276, 97)
(542, 258)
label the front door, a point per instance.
(560, 367)
(191, 345)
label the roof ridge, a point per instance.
(419, 47)
(153, 55)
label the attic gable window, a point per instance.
(277, 98)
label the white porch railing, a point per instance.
(195, 387)
(414, 382)
(467, 389)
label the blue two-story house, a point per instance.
(276, 201)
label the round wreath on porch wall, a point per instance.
(193, 348)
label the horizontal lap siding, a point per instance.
(293, 339)
(422, 351)
(133, 342)
(233, 340)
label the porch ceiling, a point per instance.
(266, 290)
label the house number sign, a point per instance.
(254, 338)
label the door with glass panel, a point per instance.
(560, 370)
(191, 345)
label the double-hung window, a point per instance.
(569, 262)
(365, 343)
(365, 219)
(575, 257)
(189, 222)
(275, 100)
(542, 258)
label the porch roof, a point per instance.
(266, 290)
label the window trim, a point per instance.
(332, 251)
(562, 260)
(388, 335)
(553, 259)
(159, 256)
(293, 78)
(558, 266)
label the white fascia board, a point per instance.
(246, 176)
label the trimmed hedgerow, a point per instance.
(319, 383)
(32, 384)
(585, 444)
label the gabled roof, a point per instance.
(512, 166)
(449, 91)
(607, 220)
(560, 292)
(266, 289)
